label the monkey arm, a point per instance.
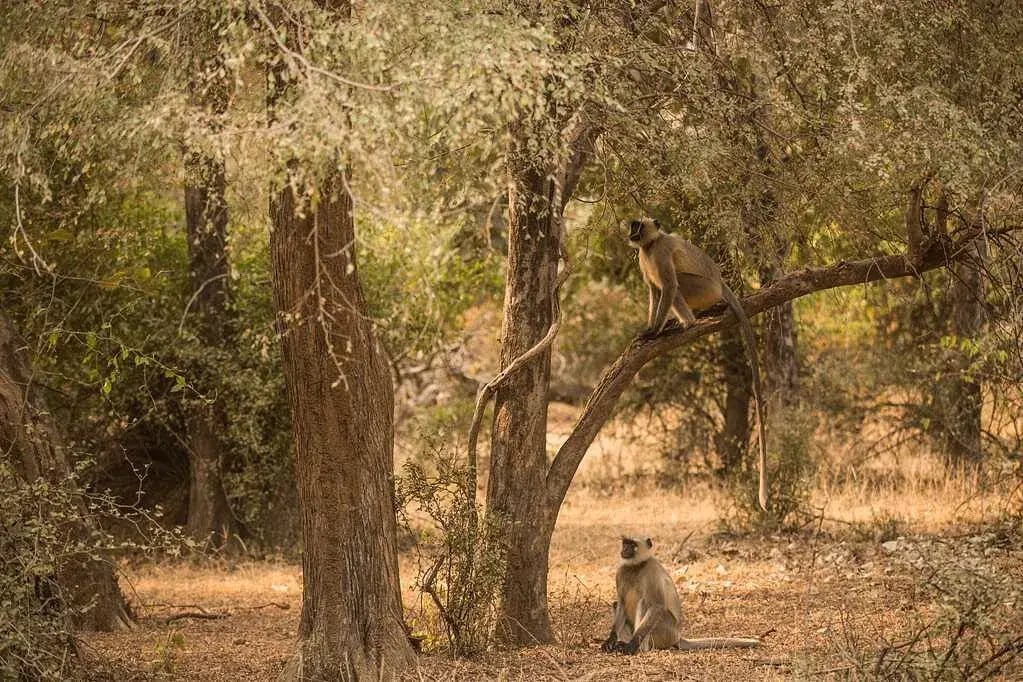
(617, 623)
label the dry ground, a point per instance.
(819, 595)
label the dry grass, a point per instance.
(817, 593)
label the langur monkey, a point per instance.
(682, 278)
(648, 613)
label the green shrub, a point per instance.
(461, 563)
(42, 534)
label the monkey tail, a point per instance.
(751, 350)
(717, 643)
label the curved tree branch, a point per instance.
(937, 253)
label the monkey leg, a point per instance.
(666, 634)
(683, 313)
(651, 618)
(699, 292)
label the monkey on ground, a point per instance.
(681, 278)
(648, 612)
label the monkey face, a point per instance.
(632, 546)
(643, 231)
(635, 230)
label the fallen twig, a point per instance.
(198, 615)
(276, 604)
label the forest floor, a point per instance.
(828, 599)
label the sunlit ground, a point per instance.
(821, 597)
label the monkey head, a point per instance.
(636, 550)
(643, 231)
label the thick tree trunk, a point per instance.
(518, 451)
(733, 438)
(959, 397)
(342, 405)
(30, 440)
(209, 515)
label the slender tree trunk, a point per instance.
(781, 361)
(342, 403)
(30, 440)
(959, 395)
(209, 515)
(733, 439)
(518, 453)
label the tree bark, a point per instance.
(959, 396)
(342, 404)
(209, 515)
(518, 449)
(31, 441)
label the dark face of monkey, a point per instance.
(631, 546)
(642, 231)
(635, 230)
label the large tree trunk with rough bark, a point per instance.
(958, 394)
(342, 403)
(209, 515)
(518, 450)
(33, 445)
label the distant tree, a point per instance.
(959, 393)
(32, 444)
(210, 518)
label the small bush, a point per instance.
(42, 534)
(971, 631)
(461, 563)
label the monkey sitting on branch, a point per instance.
(681, 278)
(648, 613)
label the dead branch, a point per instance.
(580, 141)
(489, 388)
